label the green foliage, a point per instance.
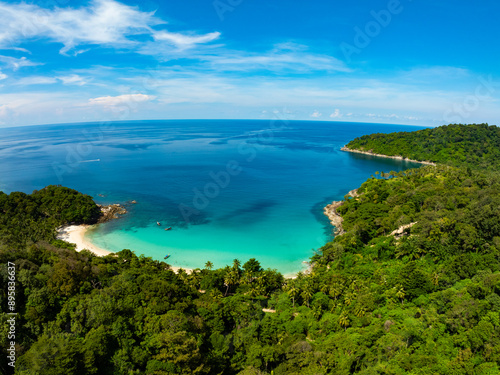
(26, 219)
(476, 145)
(411, 287)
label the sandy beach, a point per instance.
(75, 234)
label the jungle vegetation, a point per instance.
(422, 300)
(475, 145)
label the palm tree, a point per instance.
(401, 294)
(349, 297)
(307, 293)
(325, 288)
(181, 272)
(344, 320)
(230, 279)
(236, 264)
(292, 292)
(335, 291)
(195, 278)
(209, 265)
(236, 267)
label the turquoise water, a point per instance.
(229, 189)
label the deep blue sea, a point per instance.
(228, 188)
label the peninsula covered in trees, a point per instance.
(412, 286)
(476, 145)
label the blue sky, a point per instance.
(420, 62)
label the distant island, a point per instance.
(410, 284)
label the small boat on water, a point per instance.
(169, 228)
(167, 256)
(158, 223)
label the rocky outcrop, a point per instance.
(110, 212)
(331, 212)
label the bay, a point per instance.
(230, 189)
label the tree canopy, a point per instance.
(476, 145)
(411, 287)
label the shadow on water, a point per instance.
(252, 213)
(398, 164)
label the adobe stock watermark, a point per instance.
(363, 36)
(221, 179)
(471, 103)
(11, 321)
(223, 6)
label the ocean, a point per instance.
(230, 189)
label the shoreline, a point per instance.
(336, 220)
(75, 234)
(398, 157)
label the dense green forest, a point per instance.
(476, 145)
(424, 299)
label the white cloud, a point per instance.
(15, 63)
(103, 22)
(275, 60)
(316, 114)
(184, 41)
(128, 99)
(73, 79)
(336, 113)
(36, 80)
(282, 58)
(2, 76)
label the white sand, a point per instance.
(75, 234)
(176, 269)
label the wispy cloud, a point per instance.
(73, 79)
(16, 63)
(277, 61)
(316, 114)
(184, 41)
(2, 76)
(109, 101)
(36, 80)
(103, 22)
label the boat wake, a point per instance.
(89, 161)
